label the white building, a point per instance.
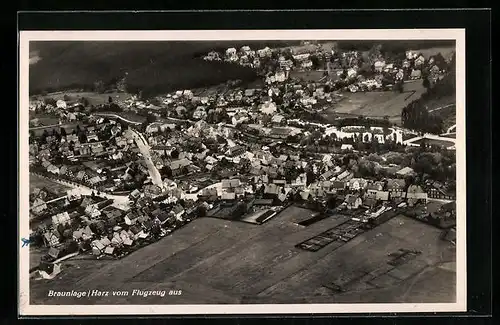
(61, 104)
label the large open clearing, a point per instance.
(44, 119)
(93, 98)
(377, 104)
(220, 261)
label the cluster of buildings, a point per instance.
(97, 227)
(385, 73)
(351, 70)
(220, 151)
(244, 56)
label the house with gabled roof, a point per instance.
(328, 175)
(92, 211)
(51, 238)
(370, 203)
(38, 206)
(396, 188)
(356, 184)
(97, 247)
(353, 201)
(61, 218)
(135, 194)
(131, 218)
(345, 176)
(415, 194)
(54, 252)
(177, 211)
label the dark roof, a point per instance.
(178, 209)
(351, 199)
(156, 212)
(162, 216)
(147, 224)
(338, 184)
(135, 230)
(395, 184)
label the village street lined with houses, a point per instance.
(330, 172)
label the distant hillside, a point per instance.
(151, 66)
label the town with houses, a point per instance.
(113, 178)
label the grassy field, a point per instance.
(94, 98)
(44, 119)
(220, 261)
(307, 75)
(377, 104)
(40, 182)
(68, 127)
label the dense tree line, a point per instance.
(362, 121)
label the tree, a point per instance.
(201, 211)
(114, 107)
(99, 87)
(174, 154)
(315, 62)
(239, 211)
(399, 86)
(84, 101)
(49, 101)
(156, 229)
(44, 136)
(426, 83)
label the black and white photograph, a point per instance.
(212, 172)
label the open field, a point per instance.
(377, 104)
(154, 67)
(44, 119)
(93, 98)
(38, 131)
(220, 261)
(307, 75)
(40, 182)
